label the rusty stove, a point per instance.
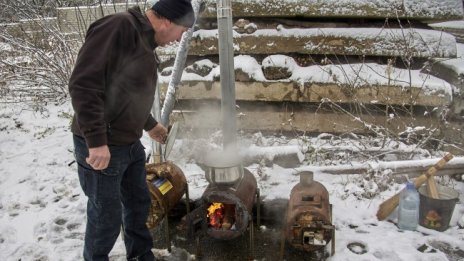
(226, 208)
(228, 201)
(309, 216)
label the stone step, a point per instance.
(334, 41)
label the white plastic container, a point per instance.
(408, 212)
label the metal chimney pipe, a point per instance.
(226, 61)
(306, 178)
(179, 64)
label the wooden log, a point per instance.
(432, 189)
(440, 173)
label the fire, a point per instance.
(214, 207)
(216, 214)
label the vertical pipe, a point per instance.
(179, 64)
(226, 61)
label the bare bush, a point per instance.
(36, 57)
(36, 62)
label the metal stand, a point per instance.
(283, 238)
(166, 232)
(187, 198)
(282, 245)
(166, 223)
(198, 247)
(252, 240)
(332, 250)
(258, 208)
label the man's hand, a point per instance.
(99, 157)
(158, 133)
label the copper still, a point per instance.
(309, 215)
(167, 184)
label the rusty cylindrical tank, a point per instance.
(167, 184)
(308, 225)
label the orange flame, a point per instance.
(215, 214)
(214, 207)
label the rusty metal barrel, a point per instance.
(167, 184)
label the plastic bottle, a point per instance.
(408, 214)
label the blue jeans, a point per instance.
(117, 196)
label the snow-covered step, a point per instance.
(410, 9)
(366, 83)
(334, 41)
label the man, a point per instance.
(112, 88)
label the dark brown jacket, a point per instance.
(113, 83)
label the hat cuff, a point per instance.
(186, 21)
(164, 10)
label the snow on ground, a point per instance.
(42, 208)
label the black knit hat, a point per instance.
(179, 12)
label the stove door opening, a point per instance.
(221, 216)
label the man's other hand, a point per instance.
(99, 157)
(158, 133)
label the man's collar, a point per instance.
(147, 29)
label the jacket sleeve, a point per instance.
(89, 77)
(150, 123)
